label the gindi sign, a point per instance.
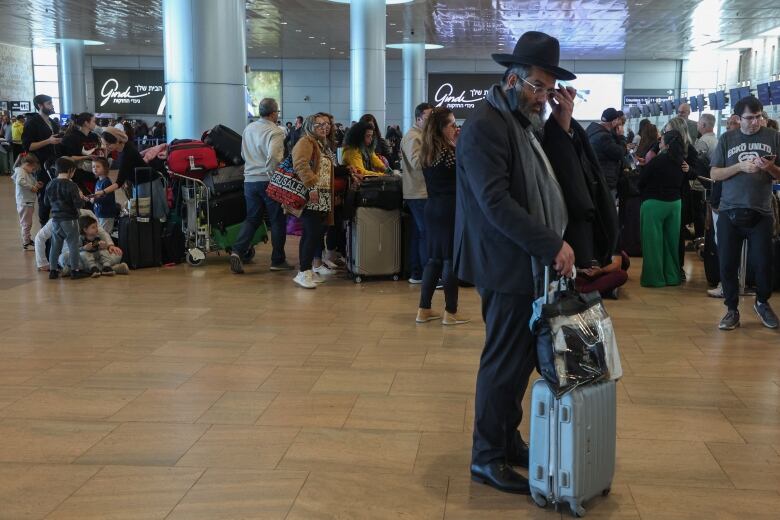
(459, 92)
(124, 91)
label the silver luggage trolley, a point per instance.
(195, 221)
(200, 237)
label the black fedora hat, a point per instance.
(539, 50)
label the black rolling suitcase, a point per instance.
(710, 253)
(227, 144)
(227, 210)
(140, 234)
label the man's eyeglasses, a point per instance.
(537, 90)
(751, 119)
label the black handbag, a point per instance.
(743, 217)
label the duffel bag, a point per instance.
(227, 143)
(382, 191)
(191, 158)
(225, 180)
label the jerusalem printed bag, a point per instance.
(286, 187)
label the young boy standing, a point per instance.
(105, 206)
(65, 199)
(26, 192)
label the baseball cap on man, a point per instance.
(610, 115)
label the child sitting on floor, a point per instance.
(99, 256)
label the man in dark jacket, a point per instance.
(509, 223)
(609, 147)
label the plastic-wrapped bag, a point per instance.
(576, 342)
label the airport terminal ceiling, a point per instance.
(588, 29)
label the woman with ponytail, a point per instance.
(81, 142)
(660, 186)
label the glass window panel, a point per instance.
(45, 56)
(45, 73)
(56, 103)
(48, 88)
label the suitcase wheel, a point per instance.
(577, 511)
(606, 492)
(358, 279)
(196, 259)
(396, 277)
(539, 500)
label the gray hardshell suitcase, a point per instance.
(572, 451)
(374, 245)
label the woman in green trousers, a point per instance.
(660, 186)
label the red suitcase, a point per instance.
(191, 158)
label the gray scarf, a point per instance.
(545, 198)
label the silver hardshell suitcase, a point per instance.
(374, 245)
(572, 450)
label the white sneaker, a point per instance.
(305, 279)
(324, 270)
(331, 264)
(318, 278)
(717, 292)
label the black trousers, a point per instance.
(504, 369)
(436, 269)
(43, 208)
(759, 239)
(310, 245)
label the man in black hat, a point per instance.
(610, 147)
(512, 210)
(40, 137)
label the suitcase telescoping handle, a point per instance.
(546, 287)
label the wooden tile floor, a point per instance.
(190, 393)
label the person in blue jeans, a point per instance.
(65, 199)
(415, 194)
(262, 149)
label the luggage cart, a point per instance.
(200, 237)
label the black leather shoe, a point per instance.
(518, 456)
(501, 477)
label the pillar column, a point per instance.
(413, 59)
(73, 86)
(205, 60)
(367, 59)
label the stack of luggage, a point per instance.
(374, 232)
(574, 404)
(216, 162)
(141, 231)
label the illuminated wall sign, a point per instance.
(461, 93)
(640, 100)
(263, 84)
(19, 106)
(127, 91)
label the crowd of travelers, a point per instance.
(492, 204)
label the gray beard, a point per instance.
(536, 119)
